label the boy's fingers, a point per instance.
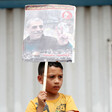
(43, 92)
(42, 96)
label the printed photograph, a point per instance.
(49, 33)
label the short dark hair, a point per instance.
(42, 64)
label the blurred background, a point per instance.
(88, 80)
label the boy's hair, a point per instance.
(42, 64)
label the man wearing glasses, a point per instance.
(37, 42)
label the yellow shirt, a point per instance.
(62, 104)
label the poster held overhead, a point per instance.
(49, 32)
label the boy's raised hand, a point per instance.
(42, 96)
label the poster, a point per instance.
(49, 33)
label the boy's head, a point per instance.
(54, 76)
(42, 64)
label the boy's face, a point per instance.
(54, 79)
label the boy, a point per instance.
(52, 100)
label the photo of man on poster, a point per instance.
(36, 41)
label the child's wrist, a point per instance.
(40, 108)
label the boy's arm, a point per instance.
(40, 109)
(41, 101)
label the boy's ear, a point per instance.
(40, 79)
